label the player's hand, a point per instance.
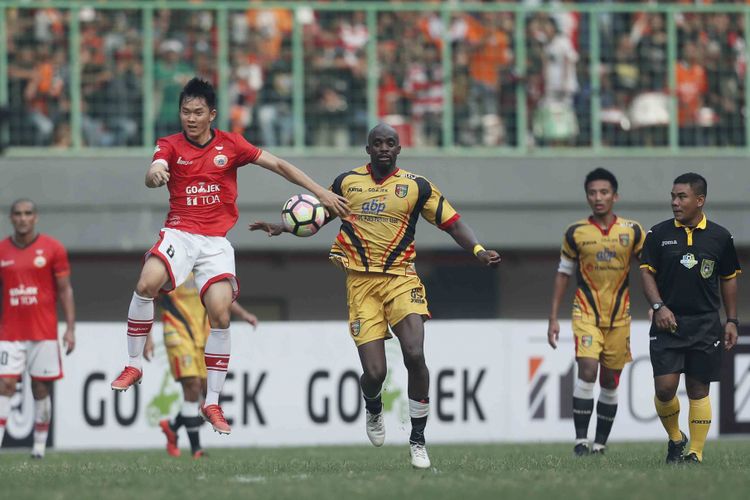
(489, 258)
(250, 318)
(269, 227)
(148, 349)
(335, 204)
(553, 333)
(665, 320)
(69, 340)
(730, 336)
(161, 177)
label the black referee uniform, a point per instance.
(687, 264)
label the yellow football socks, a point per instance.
(669, 413)
(700, 421)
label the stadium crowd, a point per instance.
(633, 90)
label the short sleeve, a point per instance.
(650, 252)
(639, 238)
(729, 264)
(163, 153)
(60, 263)
(437, 210)
(244, 151)
(569, 249)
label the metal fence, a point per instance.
(464, 78)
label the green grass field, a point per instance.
(634, 471)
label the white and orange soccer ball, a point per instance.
(303, 215)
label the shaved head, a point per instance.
(19, 201)
(382, 130)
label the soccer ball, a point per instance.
(303, 215)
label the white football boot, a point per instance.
(375, 425)
(419, 457)
(38, 450)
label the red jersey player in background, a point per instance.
(199, 166)
(35, 272)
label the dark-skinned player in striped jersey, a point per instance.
(375, 247)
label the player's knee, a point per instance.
(665, 393)
(39, 389)
(7, 386)
(414, 358)
(219, 318)
(145, 289)
(375, 374)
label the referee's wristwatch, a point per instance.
(657, 306)
(734, 320)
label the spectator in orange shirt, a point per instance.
(692, 87)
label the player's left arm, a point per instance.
(464, 236)
(65, 294)
(334, 203)
(729, 269)
(244, 314)
(729, 297)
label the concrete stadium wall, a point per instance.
(101, 204)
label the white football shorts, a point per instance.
(41, 358)
(209, 258)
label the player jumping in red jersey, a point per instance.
(34, 271)
(199, 166)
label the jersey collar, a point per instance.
(15, 243)
(701, 225)
(605, 232)
(200, 146)
(381, 181)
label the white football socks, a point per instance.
(218, 347)
(140, 320)
(42, 417)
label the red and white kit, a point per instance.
(28, 329)
(202, 206)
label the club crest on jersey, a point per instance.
(221, 161)
(402, 190)
(354, 326)
(587, 340)
(625, 240)
(707, 268)
(689, 261)
(40, 261)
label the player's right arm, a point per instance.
(157, 175)
(158, 172)
(553, 329)
(568, 261)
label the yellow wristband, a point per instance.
(478, 248)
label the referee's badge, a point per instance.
(707, 268)
(689, 261)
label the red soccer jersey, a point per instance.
(30, 289)
(203, 181)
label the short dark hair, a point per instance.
(697, 182)
(22, 200)
(600, 174)
(199, 88)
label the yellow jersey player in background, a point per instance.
(598, 250)
(375, 247)
(186, 329)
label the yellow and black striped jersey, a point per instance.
(603, 258)
(379, 235)
(183, 313)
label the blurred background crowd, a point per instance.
(489, 75)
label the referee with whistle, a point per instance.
(686, 261)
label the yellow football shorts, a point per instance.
(611, 346)
(184, 353)
(378, 300)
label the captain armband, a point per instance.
(566, 266)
